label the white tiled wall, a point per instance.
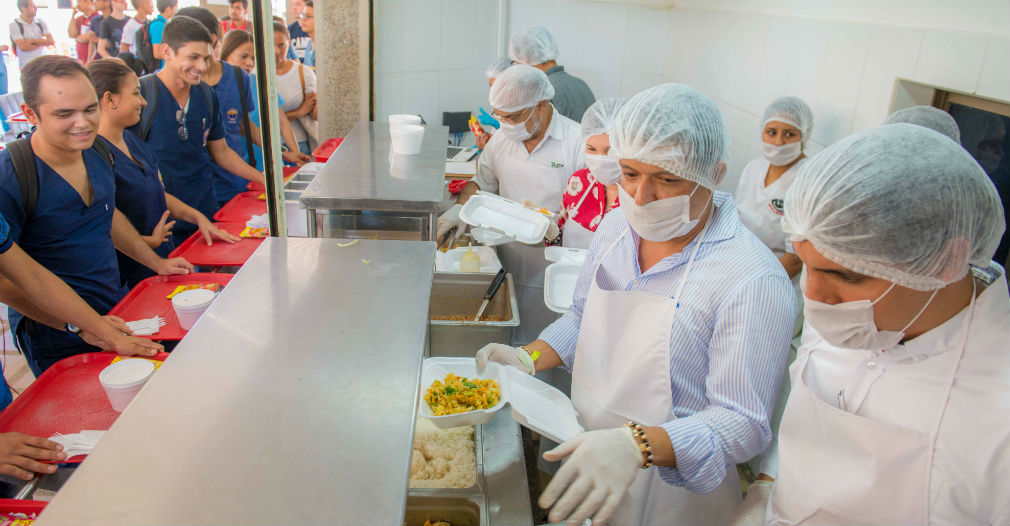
(431, 54)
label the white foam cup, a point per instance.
(190, 305)
(406, 138)
(124, 379)
(404, 118)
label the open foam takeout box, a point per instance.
(505, 217)
(561, 275)
(534, 404)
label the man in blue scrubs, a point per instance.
(187, 134)
(222, 77)
(74, 229)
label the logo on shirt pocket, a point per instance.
(232, 115)
(777, 206)
(555, 164)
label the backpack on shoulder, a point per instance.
(23, 158)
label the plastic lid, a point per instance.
(506, 217)
(193, 298)
(565, 254)
(126, 373)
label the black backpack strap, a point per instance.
(24, 169)
(246, 128)
(208, 97)
(105, 151)
(149, 89)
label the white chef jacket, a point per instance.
(970, 482)
(761, 206)
(562, 151)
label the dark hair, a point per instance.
(23, 4)
(279, 27)
(165, 5)
(181, 30)
(233, 40)
(204, 16)
(57, 66)
(308, 3)
(245, 3)
(108, 75)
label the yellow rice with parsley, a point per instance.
(458, 394)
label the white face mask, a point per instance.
(660, 220)
(517, 132)
(605, 169)
(850, 325)
(781, 155)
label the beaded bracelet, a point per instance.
(643, 442)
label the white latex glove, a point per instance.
(752, 510)
(595, 479)
(552, 231)
(450, 218)
(505, 355)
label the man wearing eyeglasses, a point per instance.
(308, 24)
(182, 122)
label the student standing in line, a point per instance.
(308, 24)
(112, 30)
(140, 194)
(69, 224)
(299, 39)
(103, 9)
(80, 27)
(234, 91)
(237, 50)
(182, 124)
(30, 35)
(166, 10)
(129, 41)
(297, 84)
(237, 17)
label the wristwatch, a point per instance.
(72, 329)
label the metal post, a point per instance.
(266, 72)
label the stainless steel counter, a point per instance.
(292, 401)
(403, 192)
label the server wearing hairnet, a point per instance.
(529, 158)
(536, 47)
(678, 333)
(591, 192)
(927, 117)
(898, 411)
(760, 194)
(496, 68)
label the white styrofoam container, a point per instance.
(505, 217)
(535, 404)
(449, 260)
(560, 276)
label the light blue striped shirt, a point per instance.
(729, 344)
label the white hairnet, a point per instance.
(497, 66)
(929, 117)
(520, 87)
(599, 118)
(899, 202)
(674, 127)
(792, 111)
(533, 46)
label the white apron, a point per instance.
(542, 185)
(610, 388)
(840, 462)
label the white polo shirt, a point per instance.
(36, 29)
(557, 157)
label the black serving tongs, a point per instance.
(499, 278)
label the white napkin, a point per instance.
(147, 326)
(260, 221)
(78, 443)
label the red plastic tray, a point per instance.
(67, 398)
(242, 207)
(27, 507)
(147, 300)
(289, 171)
(220, 254)
(323, 152)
